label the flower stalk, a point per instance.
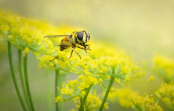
(22, 77)
(14, 77)
(82, 100)
(107, 92)
(49, 91)
(57, 84)
(27, 83)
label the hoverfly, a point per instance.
(75, 39)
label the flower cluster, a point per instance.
(121, 67)
(166, 93)
(75, 87)
(57, 62)
(122, 96)
(145, 103)
(93, 102)
(164, 67)
(94, 71)
(79, 88)
(24, 35)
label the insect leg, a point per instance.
(71, 54)
(53, 59)
(81, 47)
(57, 46)
(88, 47)
(71, 48)
(76, 52)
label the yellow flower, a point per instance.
(79, 87)
(59, 98)
(21, 33)
(122, 67)
(164, 68)
(150, 79)
(94, 102)
(25, 51)
(166, 93)
(122, 96)
(87, 73)
(73, 83)
(86, 82)
(51, 65)
(117, 80)
(67, 90)
(145, 103)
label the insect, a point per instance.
(75, 39)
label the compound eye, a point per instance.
(80, 35)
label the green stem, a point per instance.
(14, 77)
(82, 100)
(57, 79)
(49, 95)
(87, 92)
(22, 78)
(27, 83)
(107, 92)
(61, 79)
(81, 106)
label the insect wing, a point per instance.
(56, 36)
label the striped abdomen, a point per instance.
(66, 43)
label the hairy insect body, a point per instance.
(66, 42)
(76, 39)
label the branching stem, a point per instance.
(57, 84)
(107, 92)
(22, 77)
(27, 83)
(14, 77)
(83, 100)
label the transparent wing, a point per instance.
(56, 36)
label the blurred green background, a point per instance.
(142, 28)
